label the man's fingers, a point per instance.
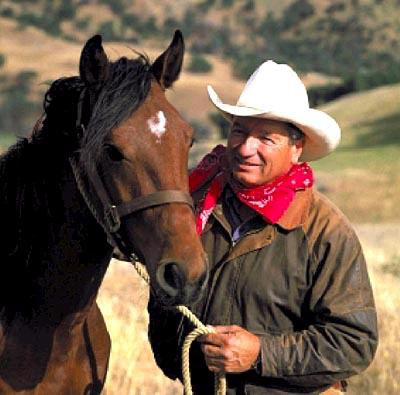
(215, 368)
(215, 363)
(212, 338)
(211, 351)
(226, 329)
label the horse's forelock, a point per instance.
(126, 89)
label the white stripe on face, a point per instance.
(157, 125)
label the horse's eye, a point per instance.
(113, 153)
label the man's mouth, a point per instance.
(243, 163)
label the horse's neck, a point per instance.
(78, 259)
(64, 277)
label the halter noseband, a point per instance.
(110, 218)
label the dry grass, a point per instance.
(123, 300)
(123, 297)
(380, 245)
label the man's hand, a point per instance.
(231, 349)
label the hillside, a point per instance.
(329, 36)
(363, 175)
(51, 58)
(351, 45)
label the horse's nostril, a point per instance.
(170, 278)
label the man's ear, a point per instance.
(167, 67)
(297, 150)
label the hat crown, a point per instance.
(272, 87)
(275, 91)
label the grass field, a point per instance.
(363, 182)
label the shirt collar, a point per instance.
(295, 215)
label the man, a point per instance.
(289, 295)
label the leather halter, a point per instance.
(110, 217)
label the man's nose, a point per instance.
(249, 146)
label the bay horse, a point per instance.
(105, 168)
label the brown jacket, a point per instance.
(301, 285)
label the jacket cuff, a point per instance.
(257, 364)
(269, 364)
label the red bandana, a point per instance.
(270, 200)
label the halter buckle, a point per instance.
(112, 219)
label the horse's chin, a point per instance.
(187, 296)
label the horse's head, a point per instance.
(135, 153)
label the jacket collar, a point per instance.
(297, 212)
(295, 216)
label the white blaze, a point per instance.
(157, 125)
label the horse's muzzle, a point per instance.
(174, 286)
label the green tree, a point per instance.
(108, 30)
(227, 3)
(221, 123)
(296, 13)
(2, 60)
(82, 23)
(199, 64)
(17, 110)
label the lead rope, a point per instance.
(81, 187)
(201, 329)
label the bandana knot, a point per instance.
(269, 200)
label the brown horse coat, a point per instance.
(54, 251)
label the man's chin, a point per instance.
(245, 179)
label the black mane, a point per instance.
(31, 169)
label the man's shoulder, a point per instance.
(325, 217)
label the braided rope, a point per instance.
(81, 186)
(141, 269)
(201, 329)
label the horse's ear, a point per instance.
(167, 67)
(94, 66)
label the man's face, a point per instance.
(259, 150)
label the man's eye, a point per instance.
(268, 140)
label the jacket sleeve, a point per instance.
(165, 334)
(341, 336)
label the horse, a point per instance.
(104, 169)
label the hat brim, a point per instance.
(322, 133)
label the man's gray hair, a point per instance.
(295, 134)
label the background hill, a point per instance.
(338, 37)
(352, 45)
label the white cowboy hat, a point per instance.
(275, 91)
